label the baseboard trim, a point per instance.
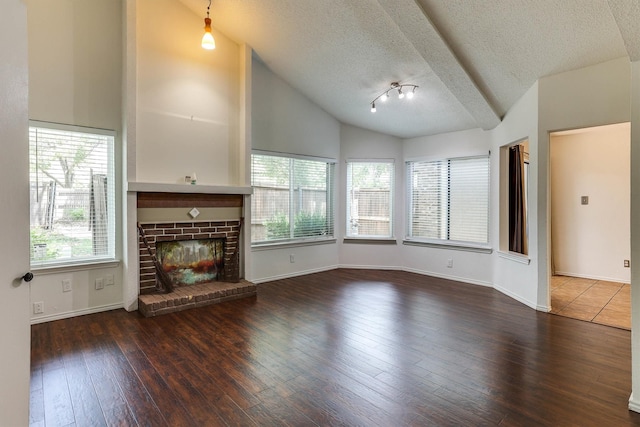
(584, 276)
(370, 267)
(633, 404)
(518, 298)
(448, 277)
(293, 274)
(75, 313)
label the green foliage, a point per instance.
(305, 225)
(277, 227)
(77, 214)
(55, 243)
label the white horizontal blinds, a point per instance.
(469, 199)
(72, 195)
(428, 199)
(292, 198)
(369, 199)
(270, 178)
(449, 199)
(311, 198)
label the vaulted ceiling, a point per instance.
(472, 59)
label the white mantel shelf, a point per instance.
(151, 187)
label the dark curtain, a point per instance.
(517, 210)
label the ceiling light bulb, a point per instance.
(400, 93)
(373, 107)
(207, 39)
(410, 94)
(384, 97)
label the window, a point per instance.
(72, 194)
(369, 198)
(292, 198)
(449, 200)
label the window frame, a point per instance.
(484, 247)
(371, 237)
(330, 188)
(93, 261)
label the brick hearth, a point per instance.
(186, 297)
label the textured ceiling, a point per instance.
(471, 58)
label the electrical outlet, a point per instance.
(99, 283)
(627, 263)
(449, 263)
(292, 258)
(66, 285)
(108, 280)
(38, 307)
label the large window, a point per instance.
(72, 194)
(369, 198)
(449, 200)
(292, 198)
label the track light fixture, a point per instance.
(397, 87)
(207, 39)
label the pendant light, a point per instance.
(207, 39)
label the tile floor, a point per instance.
(597, 301)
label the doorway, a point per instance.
(590, 223)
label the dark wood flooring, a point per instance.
(345, 347)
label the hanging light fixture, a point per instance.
(394, 86)
(207, 39)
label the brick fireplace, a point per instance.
(227, 284)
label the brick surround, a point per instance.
(169, 231)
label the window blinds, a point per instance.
(449, 199)
(72, 194)
(292, 198)
(369, 199)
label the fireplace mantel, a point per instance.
(152, 187)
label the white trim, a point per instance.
(71, 128)
(512, 256)
(585, 276)
(448, 277)
(633, 404)
(76, 266)
(293, 274)
(449, 244)
(75, 313)
(370, 160)
(293, 156)
(153, 187)
(370, 240)
(291, 244)
(518, 298)
(371, 267)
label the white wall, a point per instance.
(634, 400)
(516, 276)
(468, 266)
(358, 143)
(592, 96)
(188, 99)
(283, 120)
(591, 240)
(75, 68)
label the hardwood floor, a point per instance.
(344, 347)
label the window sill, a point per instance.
(77, 266)
(516, 257)
(292, 244)
(371, 240)
(456, 246)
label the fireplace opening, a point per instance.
(193, 261)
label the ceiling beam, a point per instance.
(416, 26)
